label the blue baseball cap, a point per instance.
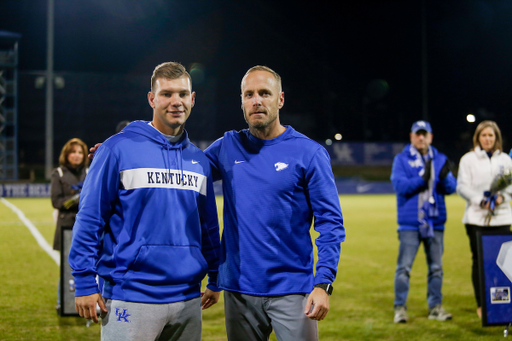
(421, 125)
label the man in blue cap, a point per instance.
(421, 178)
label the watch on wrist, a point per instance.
(327, 287)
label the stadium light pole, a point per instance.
(49, 90)
(424, 61)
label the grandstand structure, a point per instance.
(9, 105)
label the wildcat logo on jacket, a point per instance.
(280, 166)
(163, 178)
(415, 163)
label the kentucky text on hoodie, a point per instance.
(163, 178)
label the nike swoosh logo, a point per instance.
(194, 162)
(237, 162)
(363, 188)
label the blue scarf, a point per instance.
(427, 205)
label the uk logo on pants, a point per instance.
(122, 316)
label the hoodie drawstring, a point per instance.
(179, 159)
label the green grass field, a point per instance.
(361, 307)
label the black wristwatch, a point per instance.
(327, 287)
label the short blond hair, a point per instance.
(484, 124)
(262, 68)
(169, 70)
(68, 148)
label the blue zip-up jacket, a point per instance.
(147, 221)
(408, 183)
(272, 190)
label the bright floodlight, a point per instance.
(328, 142)
(338, 137)
(471, 118)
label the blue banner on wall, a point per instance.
(24, 190)
(368, 154)
(353, 153)
(344, 186)
(357, 186)
(495, 252)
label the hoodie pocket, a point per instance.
(164, 265)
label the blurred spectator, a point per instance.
(120, 126)
(421, 178)
(66, 184)
(477, 170)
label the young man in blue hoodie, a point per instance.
(421, 178)
(147, 224)
(275, 181)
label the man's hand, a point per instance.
(427, 171)
(93, 150)
(86, 306)
(209, 298)
(447, 168)
(317, 305)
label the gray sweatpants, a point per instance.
(131, 321)
(252, 318)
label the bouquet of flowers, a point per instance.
(75, 198)
(500, 182)
(73, 201)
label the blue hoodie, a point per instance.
(272, 190)
(408, 183)
(147, 221)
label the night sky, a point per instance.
(350, 68)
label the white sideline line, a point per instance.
(35, 232)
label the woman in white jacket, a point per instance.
(477, 170)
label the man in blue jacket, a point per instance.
(147, 224)
(421, 178)
(275, 180)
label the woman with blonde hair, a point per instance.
(67, 181)
(477, 170)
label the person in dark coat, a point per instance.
(67, 181)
